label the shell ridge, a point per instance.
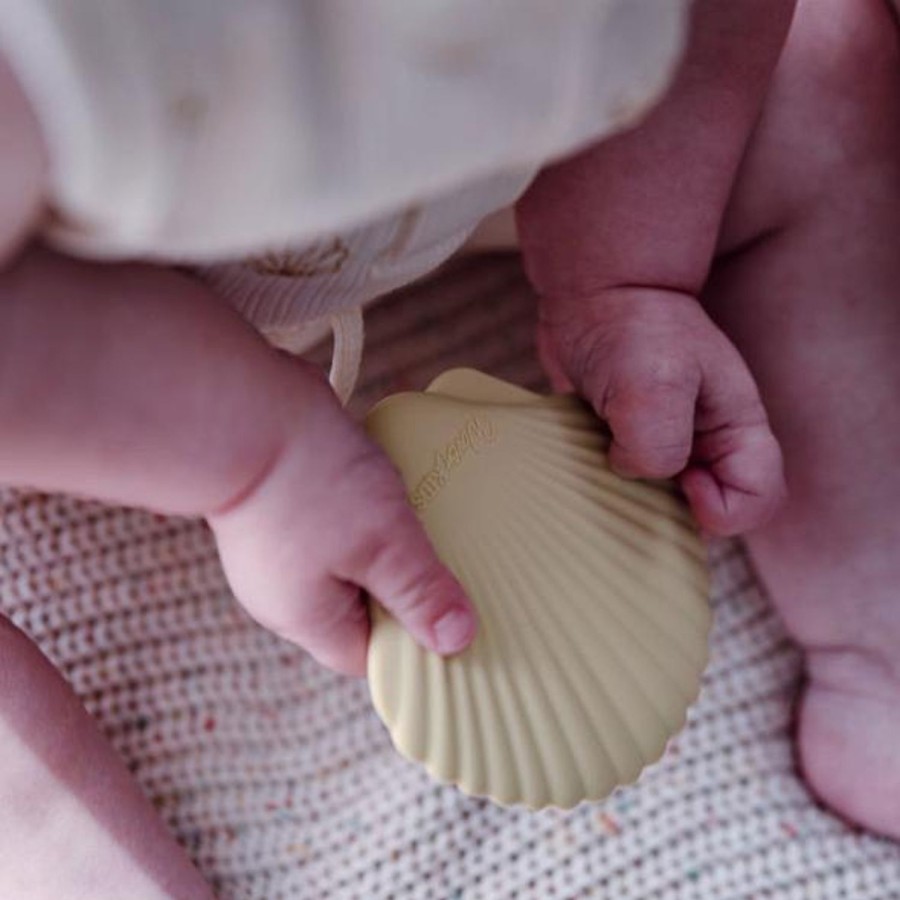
(541, 750)
(621, 667)
(650, 654)
(377, 690)
(395, 697)
(501, 685)
(539, 614)
(412, 703)
(611, 528)
(546, 429)
(468, 563)
(481, 690)
(593, 713)
(635, 493)
(624, 603)
(506, 573)
(635, 499)
(469, 771)
(439, 690)
(547, 435)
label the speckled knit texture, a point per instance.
(279, 779)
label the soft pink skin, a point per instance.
(73, 822)
(807, 286)
(618, 243)
(136, 385)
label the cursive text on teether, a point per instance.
(475, 433)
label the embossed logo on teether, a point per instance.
(476, 433)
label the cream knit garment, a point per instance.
(278, 777)
(320, 152)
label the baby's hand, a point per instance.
(137, 385)
(326, 517)
(618, 242)
(677, 396)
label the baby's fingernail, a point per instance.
(453, 630)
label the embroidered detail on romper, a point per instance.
(319, 259)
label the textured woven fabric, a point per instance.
(279, 779)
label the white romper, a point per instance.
(306, 156)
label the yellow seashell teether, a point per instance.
(591, 593)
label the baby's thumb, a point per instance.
(396, 564)
(331, 517)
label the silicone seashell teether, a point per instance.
(591, 592)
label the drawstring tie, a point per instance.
(348, 336)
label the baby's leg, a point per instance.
(73, 822)
(808, 287)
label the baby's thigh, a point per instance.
(829, 134)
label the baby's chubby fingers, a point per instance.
(330, 516)
(735, 481)
(136, 385)
(629, 357)
(679, 400)
(649, 405)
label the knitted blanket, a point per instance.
(279, 779)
